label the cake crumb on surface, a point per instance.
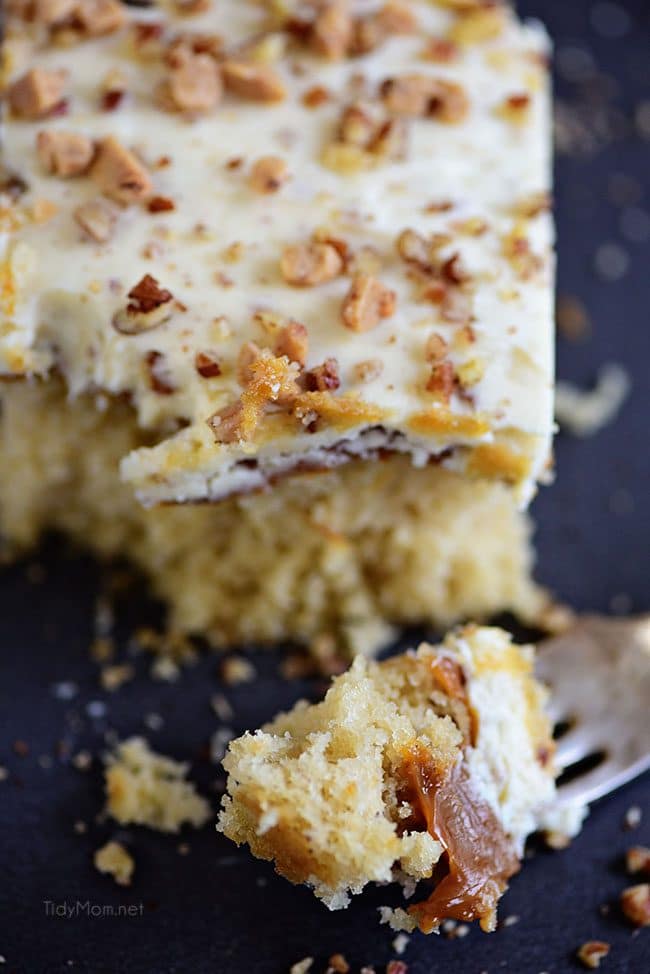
(114, 860)
(584, 412)
(146, 788)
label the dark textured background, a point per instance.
(215, 909)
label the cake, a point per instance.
(434, 765)
(276, 305)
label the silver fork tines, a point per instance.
(599, 677)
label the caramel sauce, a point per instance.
(478, 859)
(449, 677)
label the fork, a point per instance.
(599, 676)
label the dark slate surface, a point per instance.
(214, 909)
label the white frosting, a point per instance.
(68, 288)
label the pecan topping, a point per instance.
(356, 126)
(293, 341)
(391, 140)
(118, 173)
(592, 952)
(441, 50)
(207, 365)
(304, 265)
(441, 380)
(248, 353)
(97, 218)
(160, 204)
(483, 21)
(316, 96)
(423, 96)
(149, 306)
(366, 303)
(98, 17)
(64, 153)
(256, 82)
(368, 370)
(195, 84)
(635, 903)
(52, 12)
(323, 377)
(331, 31)
(371, 31)
(517, 250)
(160, 379)
(268, 174)
(515, 108)
(36, 94)
(435, 348)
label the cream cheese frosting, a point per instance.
(477, 186)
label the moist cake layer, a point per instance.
(433, 765)
(290, 234)
(339, 554)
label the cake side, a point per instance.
(339, 555)
(316, 251)
(435, 764)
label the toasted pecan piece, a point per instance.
(422, 96)
(97, 218)
(64, 153)
(323, 377)
(268, 174)
(249, 353)
(441, 381)
(637, 860)
(305, 265)
(51, 12)
(332, 30)
(390, 141)
(366, 303)
(118, 173)
(371, 31)
(195, 84)
(256, 82)
(293, 341)
(356, 126)
(36, 93)
(592, 952)
(435, 348)
(207, 365)
(99, 17)
(149, 306)
(270, 379)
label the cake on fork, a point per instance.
(433, 765)
(276, 305)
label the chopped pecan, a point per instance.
(207, 365)
(305, 265)
(256, 82)
(97, 218)
(332, 30)
(518, 251)
(515, 108)
(268, 174)
(441, 381)
(36, 94)
(532, 205)
(191, 8)
(160, 204)
(371, 31)
(118, 173)
(482, 22)
(293, 341)
(356, 126)
(160, 378)
(424, 96)
(435, 348)
(391, 140)
(271, 379)
(456, 306)
(441, 50)
(366, 303)
(234, 423)
(98, 17)
(635, 903)
(316, 96)
(64, 153)
(637, 859)
(368, 370)
(195, 84)
(323, 377)
(113, 91)
(52, 12)
(418, 250)
(149, 306)
(592, 952)
(249, 352)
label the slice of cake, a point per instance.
(433, 765)
(294, 260)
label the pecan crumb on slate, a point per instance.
(592, 952)
(635, 903)
(637, 859)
